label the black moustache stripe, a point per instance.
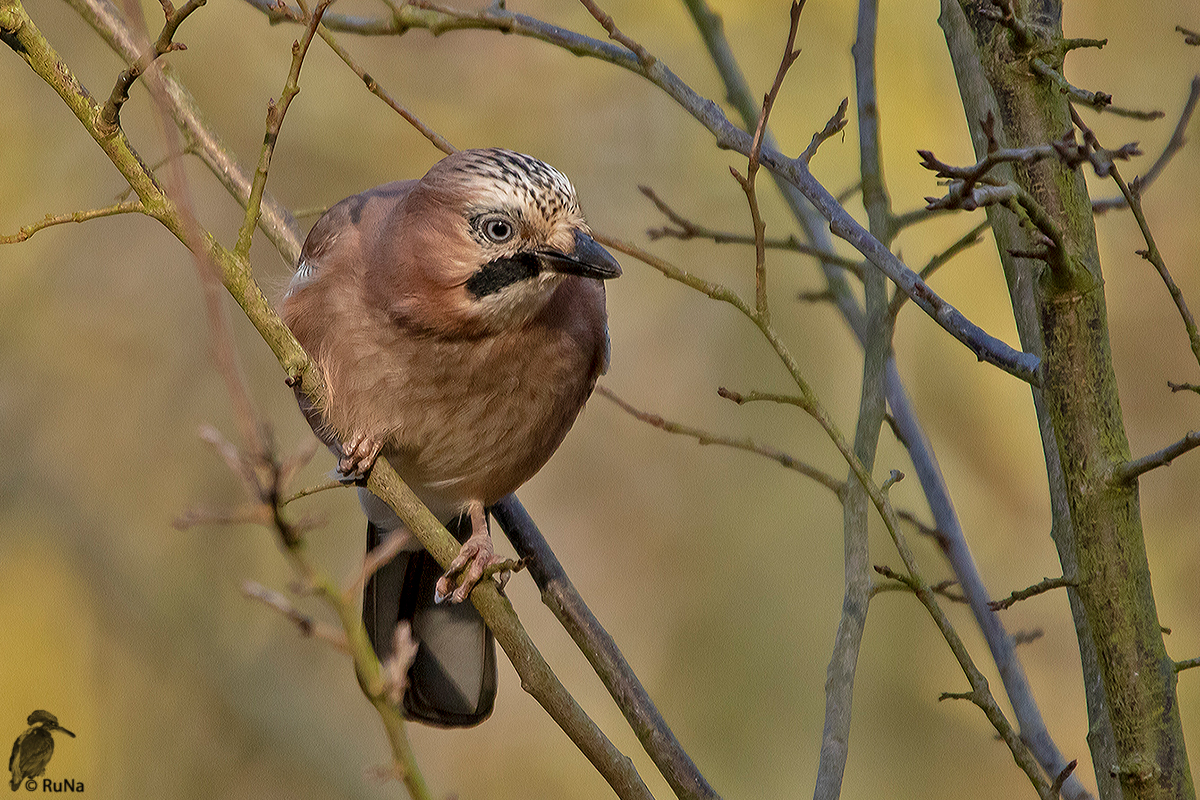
(495, 275)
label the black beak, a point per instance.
(62, 729)
(589, 260)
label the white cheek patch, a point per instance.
(519, 302)
(306, 271)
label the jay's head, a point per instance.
(488, 236)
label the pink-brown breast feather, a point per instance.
(462, 418)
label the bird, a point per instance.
(459, 323)
(32, 750)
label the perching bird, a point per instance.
(459, 323)
(32, 750)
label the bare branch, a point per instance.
(1176, 144)
(438, 141)
(1183, 387)
(643, 55)
(1190, 663)
(275, 115)
(110, 113)
(1098, 101)
(128, 207)
(304, 623)
(560, 595)
(966, 241)
(790, 54)
(1131, 470)
(1045, 585)
(704, 437)
(905, 583)
(831, 129)
(1151, 253)
(686, 229)
(1189, 37)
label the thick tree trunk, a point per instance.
(1136, 736)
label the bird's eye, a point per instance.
(498, 229)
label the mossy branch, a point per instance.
(18, 31)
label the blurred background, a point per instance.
(718, 573)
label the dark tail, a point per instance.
(452, 682)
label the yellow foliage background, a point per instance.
(718, 573)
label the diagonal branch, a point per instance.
(110, 113)
(560, 595)
(1173, 146)
(705, 438)
(686, 229)
(275, 115)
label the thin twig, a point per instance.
(438, 141)
(1131, 470)
(966, 241)
(902, 582)
(1183, 387)
(747, 444)
(1190, 663)
(1042, 586)
(111, 112)
(643, 55)
(686, 229)
(275, 115)
(834, 126)
(790, 54)
(304, 623)
(1097, 101)
(128, 207)
(1173, 146)
(1151, 253)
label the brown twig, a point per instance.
(304, 623)
(835, 124)
(902, 582)
(966, 241)
(1045, 585)
(705, 438)
(643, 55)
(790, 54)
(1183, 387)
(110, 114)
(686, 229)
(438, 141)
(1176, 143)
(1189, 37)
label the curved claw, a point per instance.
(473, 559)
(358, 455)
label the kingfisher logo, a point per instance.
(31, 753)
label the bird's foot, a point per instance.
(358, 455)
(473, 560)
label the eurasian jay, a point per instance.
(459, 322)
